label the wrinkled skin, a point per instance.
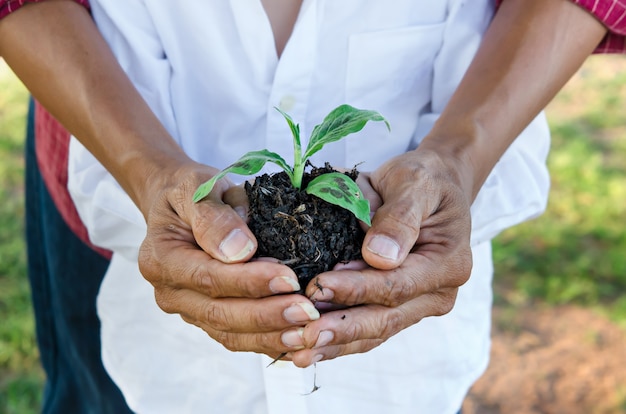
(420, 211)
(419, 207)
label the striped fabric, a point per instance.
(612, 13)
(52, 151)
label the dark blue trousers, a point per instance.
(65, 276)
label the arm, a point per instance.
(69, 68)
(530, 50)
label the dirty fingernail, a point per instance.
(284, 284)
(351, 265)
(236, 245)
(323, 295)
(301, 312)
(324, 306)
(384, 247)
(324, 339)
(293, 338)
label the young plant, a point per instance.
(335, 188)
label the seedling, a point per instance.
(335, 188)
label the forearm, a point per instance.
(56, 50)
(529, 52)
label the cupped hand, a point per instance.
(416, 255)
(196, 255)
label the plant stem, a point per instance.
(298, 163)
(298, 172)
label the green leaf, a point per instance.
(250, 163)
(298, 162)
(295, 128)
(339, 189)
(341, 121)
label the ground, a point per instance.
(552, 360)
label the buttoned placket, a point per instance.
(291, 83)
(289, 79)
(286, 384)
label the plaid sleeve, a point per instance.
(612, 13)
(9, 6)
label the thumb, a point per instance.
(218, 224)
(237, 198)
(395, 229)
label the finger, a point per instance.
(363, 180)
(269, 343)
(420, 274)
(362, 328)
(351, 265)
(217, 228)
(218, 280)
(236, 315)
(210, 223)
(307, 357)
(169, 257)
(396, 224)
(221, 232)
(237, 198)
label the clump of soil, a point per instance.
(305, 232)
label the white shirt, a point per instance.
(210, 72)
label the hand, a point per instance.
(418, 254)
(195, 254)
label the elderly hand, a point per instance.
(195, 256)
(418, 254)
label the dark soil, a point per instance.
(305, 232)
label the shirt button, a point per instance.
(287, 103)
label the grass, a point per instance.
(21, 377)
(575, 253)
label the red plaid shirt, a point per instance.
(52, 150)
(52, 140)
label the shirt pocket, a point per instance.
(391, 72)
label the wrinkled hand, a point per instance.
(195, 254)
(418, 254)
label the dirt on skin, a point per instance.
(303, 231)
(544, 360)
(563, 360)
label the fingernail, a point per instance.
(322, 295)
(293, 338)
(241, 212)
(324, 306)
(301, 312)
(284, 284)
(324, 339)
(385, 247)
(236, 245)
(317, 358)
(351, 265)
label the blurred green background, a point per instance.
(575, 253)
